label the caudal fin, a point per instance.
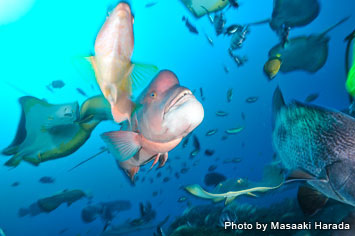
(277, 103)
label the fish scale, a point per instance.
(312, 151)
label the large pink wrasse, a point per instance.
(166, 112)
(116, 75)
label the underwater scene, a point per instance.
(179, 117)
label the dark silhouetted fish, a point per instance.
(311, 97)
(57, 84)
(177, 175)
(46, 180)
(209, 152)
(191, 28)
(219, 21)
(15, 184)
(213, 178)
(184, 170)
(166, 179)
(79, 90)
(212, 168)
(150, 4)
(221, 113)
(229, 95)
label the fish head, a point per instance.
(116, 35)
(341, 177)
(169, 111)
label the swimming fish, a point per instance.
(150, 4)
(311, 97)
(167, 112)
(116, 75)
(234, 130)
(229, 95)
(219, 21)
(251, 99)
(200, 8)
(272, 66)
(211, 132)
(191, 28)
(47, 131)
(209, 39)
(198, 191)
(238, 38)
(213, 178)
(57, 84)
(79, 90)
(209, 152)
(233, 29)
(47, 180)
(221, 113)
(318, 145)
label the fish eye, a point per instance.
(153, 95)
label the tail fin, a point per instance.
(335, 25)
(277, 103)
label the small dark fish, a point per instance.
(226, 69)
(237, 59)
(63, 231)
(46, 180)
(150, 4)
(155, 193)
(219, 22)
(311, 97)
(49, 88)
(238, 38)
(166, 179)
(224, 138)
(213, 178)
(158, 174)
(209, 152)
(211, 132)
(242, 115)
(143, 179)
(196, 143)
(212, 168)
(229, 95)
(251, 99)
(15, 184)
(79, 90)
(232, 160)
(177, 175)
(57, 84)
(191, 28)
(234, 3)
(221, 113)
(182, 199)
(201, 93)
(184, 170)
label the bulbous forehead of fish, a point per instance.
(122, 8)
(164, 81)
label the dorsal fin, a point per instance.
(277, 103)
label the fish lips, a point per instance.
(179, 96)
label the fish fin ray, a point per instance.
(141, 75)
(123, 144)
(310, 200)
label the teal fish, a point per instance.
(229, 95)
(211, 132)
(221, 113)
(234, 130)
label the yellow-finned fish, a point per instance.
(272, 66)
(114, 71)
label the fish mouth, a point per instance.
(181, 98)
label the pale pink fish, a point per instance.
(166, 113)
(112, 61)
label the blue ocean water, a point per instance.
(39, 47)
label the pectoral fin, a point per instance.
(123, 144)
(141, 75)
(310, 200)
